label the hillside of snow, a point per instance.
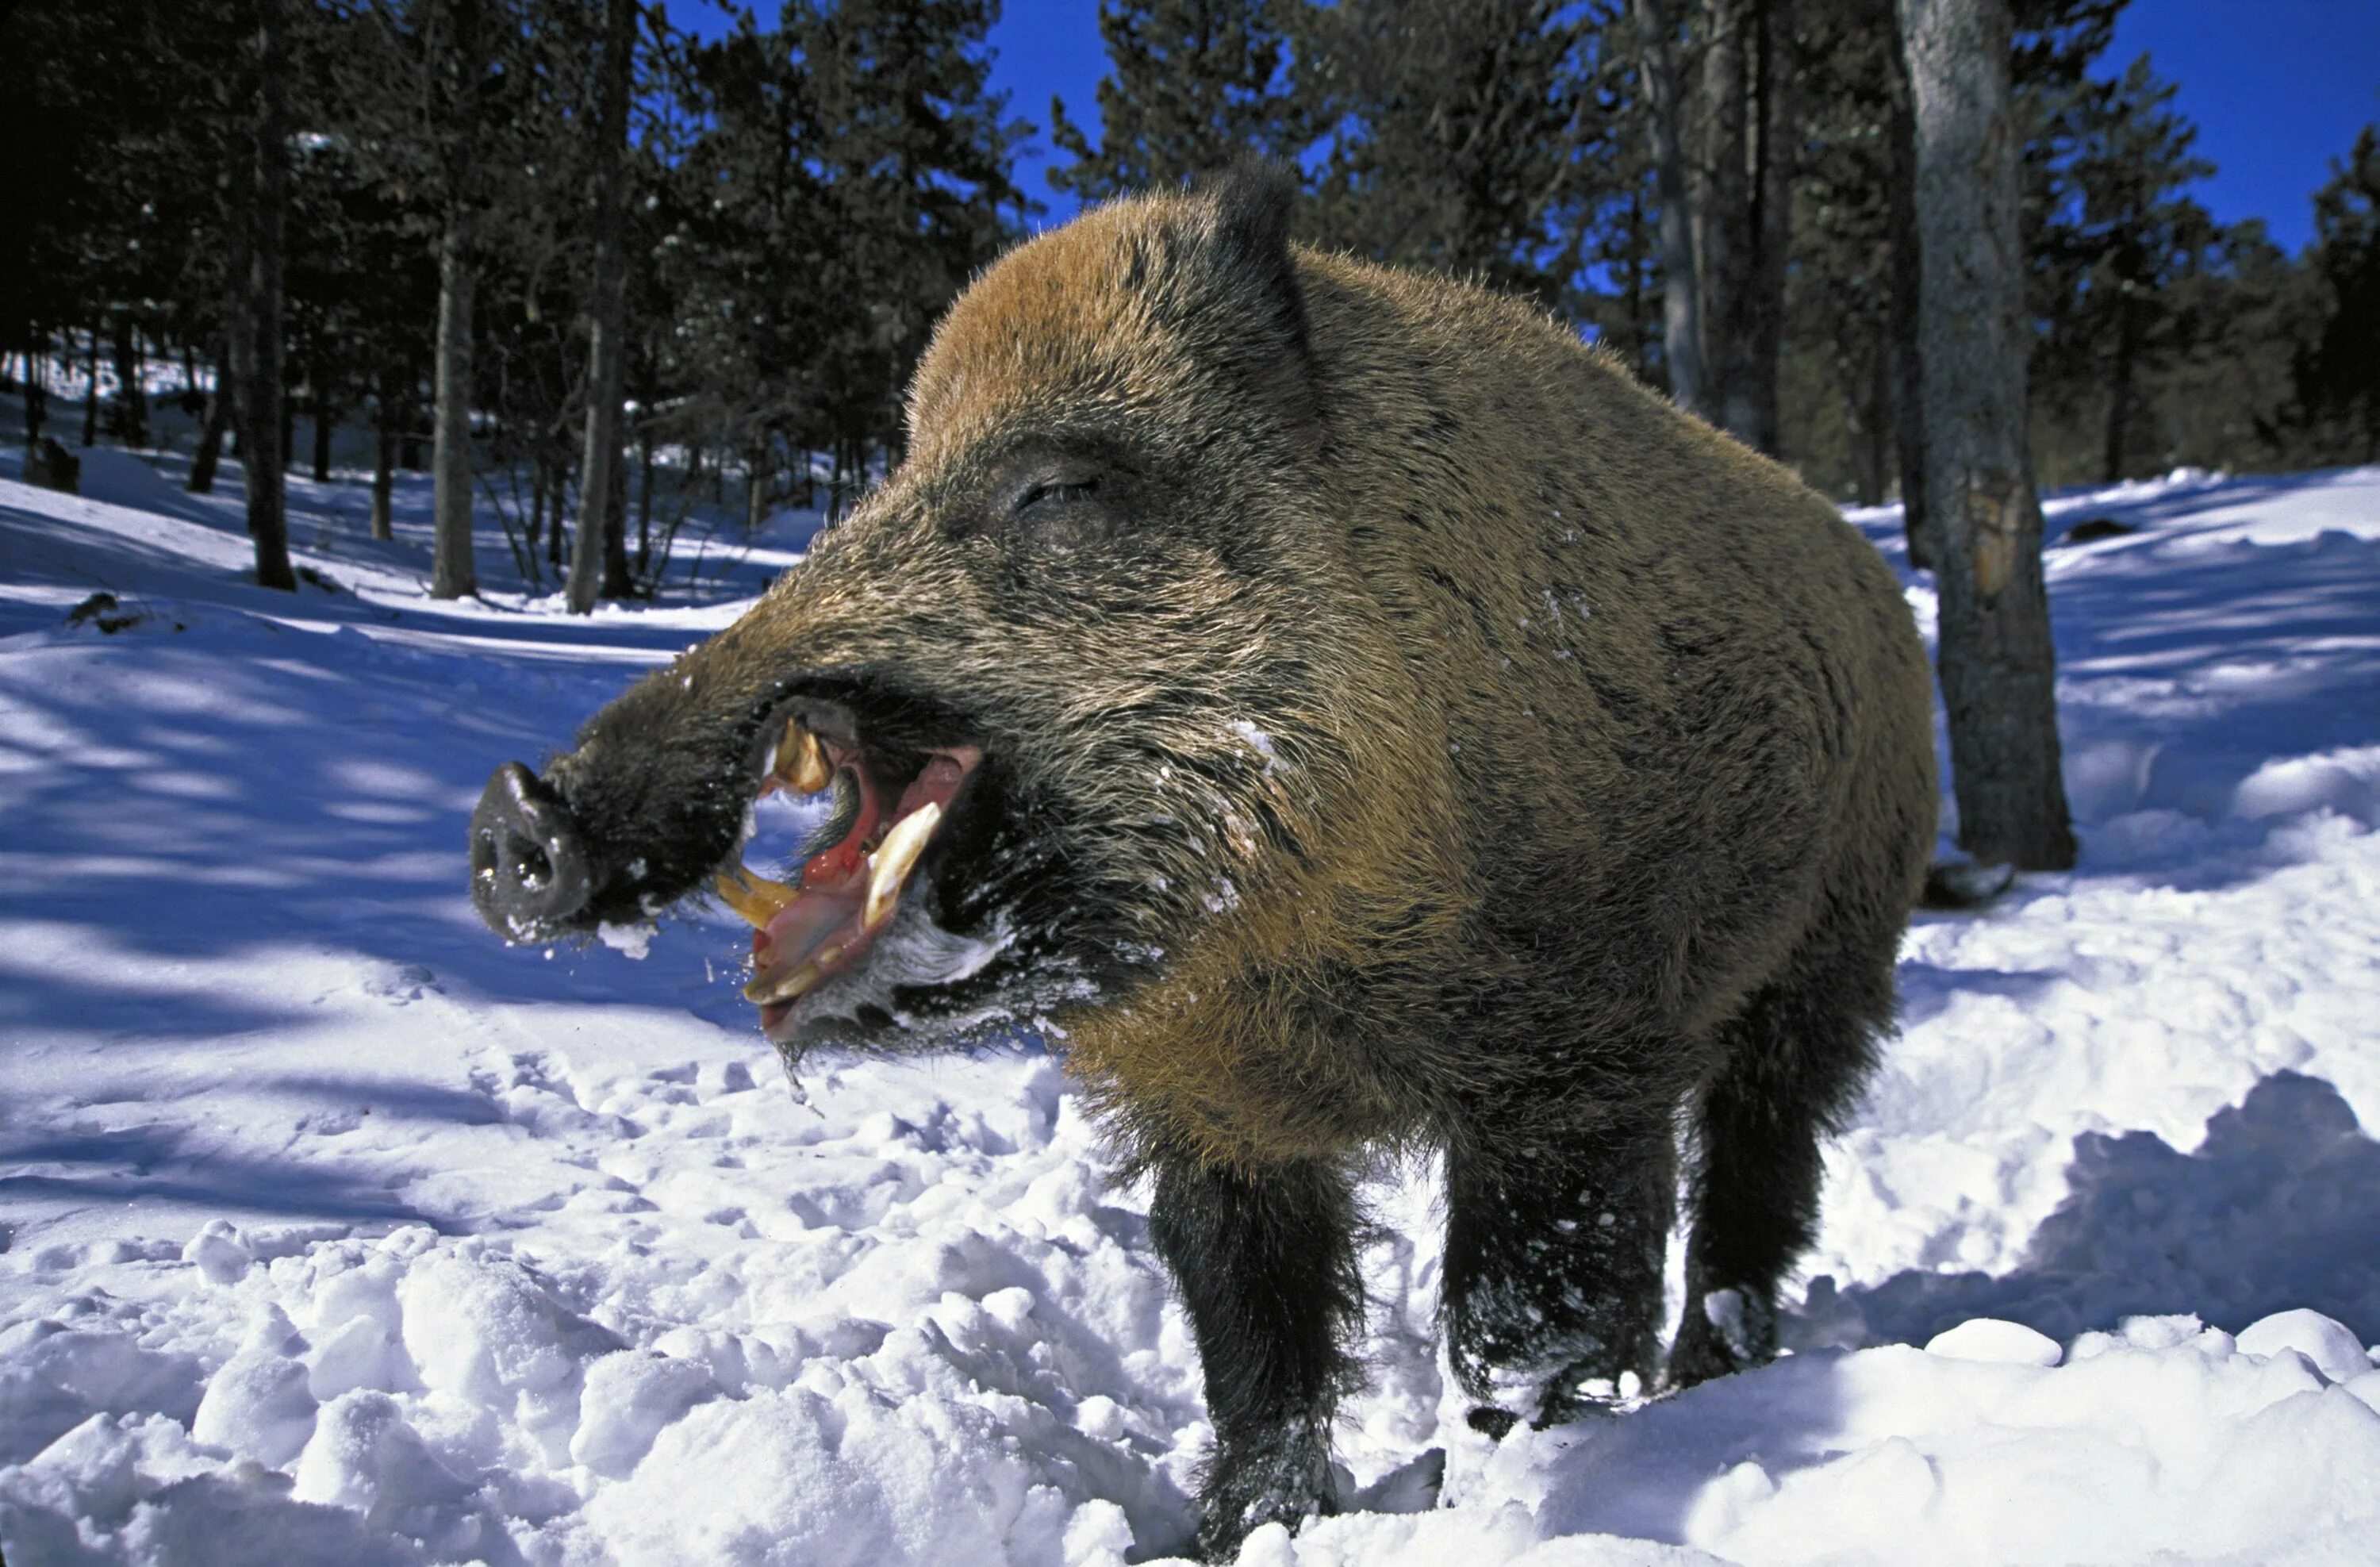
(333, 1230)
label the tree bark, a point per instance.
(598, 548)
(37, 383)
(1681, 329)
(1995, 659)
(383, 457)
(452, 574)
(756, 487)
(210, 436)
(644, 497)
(325, 424)
(131, 395)
(91, 391)
(259, 385)
(2120, 393)
(1749, 111)
(1908, 364)
(1867, 380)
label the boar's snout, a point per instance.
(530, 875)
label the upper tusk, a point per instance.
(894, 859)
(801, 760)
(757, 898)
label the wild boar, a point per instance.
(1344, 715)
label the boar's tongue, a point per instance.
(849, 890)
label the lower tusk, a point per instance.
(894, 859)
(757, 898)
(784, 987)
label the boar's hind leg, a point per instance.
(1792, 1066)
(1552, 1277)
(1266, 1264)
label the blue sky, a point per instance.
(2277, 87)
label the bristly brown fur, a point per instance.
(1451, 745)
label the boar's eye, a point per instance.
(1056, 492)
(1061, 510)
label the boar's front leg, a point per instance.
(1552, 1285)
(1266, 1264)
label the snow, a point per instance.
(332, 1229)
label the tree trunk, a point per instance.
(617, 583)
(2120, 393)
(1682, 331)
(1867, 402)
(408, 407)
(384, 458)
(756, 489)
(210, 436)
(91, 392)
(644, 498)
(326, 422)
(598, 546)
(261, 392)
(537, 488)
(1908, 372)
(37, 383)
(560, 498)
(1749, 112)
(131, 395)
(1996, 662)
(452, 574)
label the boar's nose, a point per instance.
(529, 873)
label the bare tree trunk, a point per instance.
(91, 392)
(560, 496)
(1867, 403)
(210, 436)
(37, 383)
(131, 395)
(644, 497)
(326, 422)
(1908, 364)
(1996, 662)
(261, 392)
(615, 532)
(384, 418)
(598, 548)
(1681, 330)
(2119, 394)
(1748, 111)
(452, 574)
(756, 488)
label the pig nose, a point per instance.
(529, 873)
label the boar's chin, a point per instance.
(929, 908)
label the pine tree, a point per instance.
(2340, 374)
(1463, 135)
(1191, 85)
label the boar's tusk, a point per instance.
(757, 898)
(892, 861)
(801, 760)
(784, 987)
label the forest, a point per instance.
(592, 266)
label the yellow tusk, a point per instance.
(894, 859)
(801, 761)
(757, 898)
(784, 987)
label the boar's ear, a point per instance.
(1253, 199)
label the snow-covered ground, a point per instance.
(333, 1230)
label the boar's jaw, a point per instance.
(850, 879)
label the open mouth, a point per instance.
(853, 874)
